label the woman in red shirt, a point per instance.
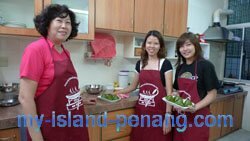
(49, 81)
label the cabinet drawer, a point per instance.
(126, 112)
(10, 135)
(110, 132)
(127, 138)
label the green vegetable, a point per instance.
(187, 103)
(110, 96)
(179, 101)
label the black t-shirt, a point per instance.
(207, 79)
(165, 66)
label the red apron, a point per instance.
(192, 133)
(62, 96)
(150, 103)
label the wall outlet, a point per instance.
(3, 61)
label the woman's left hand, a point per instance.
(89, 101)
(167, 126)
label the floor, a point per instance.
(239, 135)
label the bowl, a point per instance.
(94, 88)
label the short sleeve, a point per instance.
(32, 64)
(210, 78)
(166, 66)
(137, 66)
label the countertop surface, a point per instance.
(8, 114)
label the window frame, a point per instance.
(242, 26)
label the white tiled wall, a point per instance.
(88, 71)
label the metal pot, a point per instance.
(7, 100)
(94, 88)
(9, 87)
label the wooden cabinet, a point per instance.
(148, 15)
(84, 10)
(238, 111)
(175, 17)
(215, 109)
(115, 14)
(18, 17)
(230, 106)
(10, 135)
(111, 131)
(167, 16)
(228, 109)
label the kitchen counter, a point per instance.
(8, 114)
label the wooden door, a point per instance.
(238, 111)
(216, 109)
(228, 107)
(115, 14)
(148, 15)
(175, 19)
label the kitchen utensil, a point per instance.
(9, 100)
(94, 88)
(9, 87)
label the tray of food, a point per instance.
(109, 97)
(178, 102)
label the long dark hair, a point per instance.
(180, 42)
(43, 20)
(161, 53)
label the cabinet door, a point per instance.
(17, 17)
(127, 138)
(238, 111)
(10, 135)
(115, 14)
(148, 15)
(175, 20)
(112, 132)
(228, 106)
(216, 109)
(84, 10)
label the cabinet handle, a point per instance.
(13, 138)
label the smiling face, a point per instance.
(152, 46)
(59, 29)
(187, 50)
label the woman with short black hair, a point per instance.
(195, 78)
(49, 84)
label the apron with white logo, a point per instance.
(150, 103)
(62, 97)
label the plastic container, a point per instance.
(123, 78)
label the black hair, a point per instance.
(194, 40)
(161, 53)
(43, 20)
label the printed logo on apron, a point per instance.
(74, 97)
(149, 92)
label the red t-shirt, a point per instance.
(37, 63)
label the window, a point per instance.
(237, 60)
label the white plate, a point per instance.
(175, 105)
(104, 99)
